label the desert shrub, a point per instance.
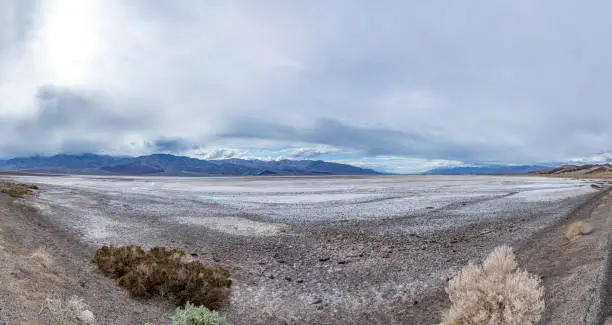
(16, 190)
(196, 315)
(578, 228)
(494, 293)
(162, 271)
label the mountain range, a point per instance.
(170, 165)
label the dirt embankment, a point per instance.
(46, 278)
(573, 270)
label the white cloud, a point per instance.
(401, 165)
(600, 158)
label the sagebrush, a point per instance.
(162, 271)
(196, 315)
(578, 228)
(495, 293)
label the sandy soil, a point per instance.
(373, 266)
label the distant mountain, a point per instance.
(486, 170)
(170, 165)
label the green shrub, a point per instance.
(196, 315)
(162, 271)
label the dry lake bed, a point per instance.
(317, 250)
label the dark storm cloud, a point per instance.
(369, 141)
(172, 145)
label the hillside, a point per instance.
(577, 170)
(170, 165)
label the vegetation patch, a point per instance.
(163, 271)
(577, 229)
(196, 315)
(43, 257)
(496, 292)
(17, 190)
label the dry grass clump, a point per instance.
(495, 293)
(16, 190)
(163, 271)
(578, 228)
(71, 311)
(43, 257)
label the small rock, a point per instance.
(317, 301)
(342, 262)
(323, 259)
(87, 317)
(288, 278)
(429, 208)
(299, 281)
(194, 254)
(415, 302)
(385, 252)
(271, 276)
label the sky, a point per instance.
(395, 85)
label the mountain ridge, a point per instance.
(576, 170)
(171, 165)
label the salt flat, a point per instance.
(299, 200)
(366, 247)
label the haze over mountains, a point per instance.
(170, 165)
(487, 169)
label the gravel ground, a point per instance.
(345, 250)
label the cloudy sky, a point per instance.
(396, 85)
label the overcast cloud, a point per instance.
(387, 83)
